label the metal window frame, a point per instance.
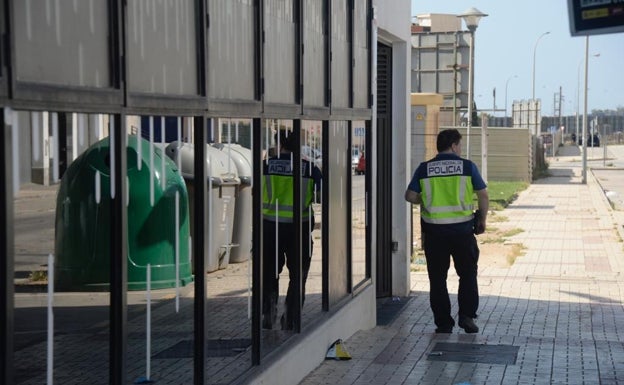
(118, 227)
(116, 100)
(324, 221)
(160, 104)
(29, 95)
(5, 69)
(361, 285)
(200, 249)
(6, 248)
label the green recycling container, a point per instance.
(82, 226)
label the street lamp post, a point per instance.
(584, 173)
(578, 101)
(507, 85)
(578, 95)
(471, 18)
(534, 54)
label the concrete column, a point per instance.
(40, 155)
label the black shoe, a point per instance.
(269, 319)
(266, 322)
(285, 323)
(447, 329)
(468, 324)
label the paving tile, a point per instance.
(560, 302)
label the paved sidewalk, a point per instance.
(554, 317)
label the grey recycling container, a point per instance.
(242, 233)
(222, 184)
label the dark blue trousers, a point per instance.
(438, 251)
(280, 253)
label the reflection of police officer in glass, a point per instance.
(444, 187)
(278, 228)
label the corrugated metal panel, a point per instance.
(418, 149)
(527, 114)
(231, 72)
(162, 47)
(314, 76)
(340, 54)
(360, 51)
(279, 52)
(424, 132)
(506, 162)
(72, 39)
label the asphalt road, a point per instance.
(609, 171)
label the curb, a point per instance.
(616, 217)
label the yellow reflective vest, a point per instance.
(446, 191)
(278, 186)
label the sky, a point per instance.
(505, 41)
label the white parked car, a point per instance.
(313, 155)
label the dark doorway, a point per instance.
(384, 173)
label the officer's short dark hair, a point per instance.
(446, 138)
(286, 139)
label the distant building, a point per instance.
(438, 22)
(440, 61)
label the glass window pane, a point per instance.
(61, 249)
(228, 235)
(337, 176)
(279, 253)
(162, 47)
(358, 202)
(72, 36)
(160, 294)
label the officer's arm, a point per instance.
(484, 204)
(413, 197)
(317, 195)
(318, 180)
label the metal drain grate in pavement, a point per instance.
(389, 308)
(477, 353)
(214, 348)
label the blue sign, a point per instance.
(593, 17)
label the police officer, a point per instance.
(444, 187)
(279, 230)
